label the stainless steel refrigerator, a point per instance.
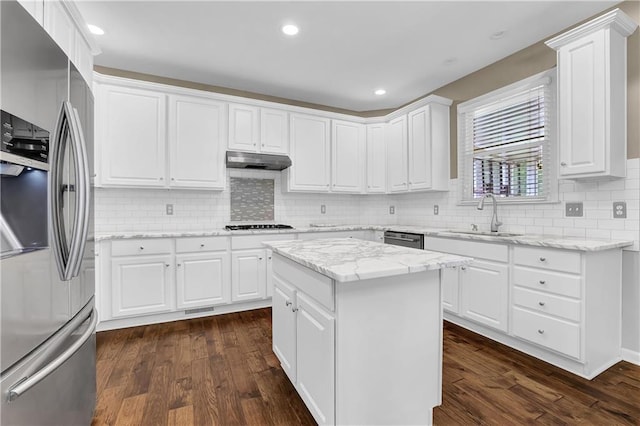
(47, 347)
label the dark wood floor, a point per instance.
(221, 370)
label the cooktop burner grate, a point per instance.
(263, 226)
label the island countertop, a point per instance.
(351, 259)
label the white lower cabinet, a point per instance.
(315, 337)
(562, 306)
(484, 291)
(248, 276)
(284, 327)
(202, 279)
(141, 285)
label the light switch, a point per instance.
(323, 209)
(574, 209)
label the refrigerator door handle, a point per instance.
(83, 191)
(55, 204)
(28, 382)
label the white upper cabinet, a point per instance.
(396, 139)
(244, 128)
(347, 156)
(59, 25)
(592, 88)
(274, 131)
(376, 159)
(429, 148)
(256, 129)
(131, 136)
(310, 154)
(196, 142)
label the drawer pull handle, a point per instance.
(541, 303)
(540, 331)
(542, 282)
(287, 303)
(543, 259)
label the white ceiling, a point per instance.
(343, 52)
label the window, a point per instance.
(506, 143)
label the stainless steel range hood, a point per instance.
(249, 160)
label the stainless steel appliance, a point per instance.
(48, 320)
(404, 239)
(258, 227)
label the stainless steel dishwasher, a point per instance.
(404, 239)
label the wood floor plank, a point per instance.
(220, 370)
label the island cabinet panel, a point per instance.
(450, 288)
(368, 361)
(284, 326)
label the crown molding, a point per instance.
(616, 20)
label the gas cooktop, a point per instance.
(257, 227)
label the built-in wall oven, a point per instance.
(404, 239)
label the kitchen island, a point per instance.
(357, 327)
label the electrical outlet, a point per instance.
(392, 209)
(436, 209)
(323, 209)
(169, 209)
(573, 209)
(619, 210)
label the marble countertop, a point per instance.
(553, 241)
(350, 259)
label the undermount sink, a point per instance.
(486, 233)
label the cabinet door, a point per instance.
(243, 127)
(269, 275)
(196, 141)
(582, 103)
(396, 135)
(347, 155)
(248, 275)
(274, 131)
(484, 286)
(376, 159)
(315, 359)
(141, 285)
(419, 142)
(59, 26)
(449, 279)
(202, 279)
(284, 327)
(309, 153)
(130, 125)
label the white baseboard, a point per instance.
(630, 356)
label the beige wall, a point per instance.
(522, 64)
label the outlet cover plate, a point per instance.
(436, 209)
(574, 209)
(619, 210)
(169, 209)
(392, 210)
(323, 209)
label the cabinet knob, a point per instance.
(161, 178)
(543, 259)
(540, 331)
(542, 282)
(294, 309)
(541, 303)
(269, 257)
(259, 258)
(173, 178)
(141, 247)
(327, 185)
(254, 144)
(201, 245)
(563, 164)
(464, 268)
(179, 264)
(287, 303)
(166, 264)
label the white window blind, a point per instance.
(506, 142)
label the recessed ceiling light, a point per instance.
(498, 35)
(290, 29)
(380, 92)
(95, 29)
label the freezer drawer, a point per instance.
(67, 396)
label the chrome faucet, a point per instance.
(494, 219)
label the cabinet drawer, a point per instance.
(555, 282)
(559, 260)
(143, 246)
(243, 242)
(196, 244)
(547, 303)
(556, 334)
(316, 285)
(497, 252)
